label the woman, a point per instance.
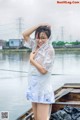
(40, 91)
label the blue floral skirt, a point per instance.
(40, 91)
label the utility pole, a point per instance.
(70, 37)
(57, 38)
(62, 33)
(19, 27)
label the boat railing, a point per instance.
(27, 116)
(30, 116)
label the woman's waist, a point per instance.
(34, 71)
(37, 73)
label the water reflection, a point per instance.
(67, 63)
(13, 82)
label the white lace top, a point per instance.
(39, 85)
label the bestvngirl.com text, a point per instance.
(68, 2)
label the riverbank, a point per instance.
(56, 49)
(67, 50)
(13, 50)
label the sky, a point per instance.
(64, 18)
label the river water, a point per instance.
(13, 78)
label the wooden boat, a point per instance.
(68, 94)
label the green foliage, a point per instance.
(59, 43)
(62, 43)
(54, 43)
(75, 43)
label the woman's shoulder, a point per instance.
(50, 47)
(50, 51)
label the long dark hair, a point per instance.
(44, 29)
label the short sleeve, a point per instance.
(30, 43)
(49, 60)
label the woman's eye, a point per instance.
(42, 38)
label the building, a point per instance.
(2, 44)
(15, 43)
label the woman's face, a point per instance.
(42, 39)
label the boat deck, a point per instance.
(69, 95)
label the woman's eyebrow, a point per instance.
(42, 36)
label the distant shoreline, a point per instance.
(67, 49)
(56, 49)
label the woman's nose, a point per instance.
(40, 40)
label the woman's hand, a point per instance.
(45, 24)
(32, 55)
(36, 64)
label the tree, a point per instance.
(60, 43)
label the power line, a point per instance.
(7, 24)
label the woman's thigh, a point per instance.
(34, 107)
(43, 111)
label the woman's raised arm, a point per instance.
(26, 34)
